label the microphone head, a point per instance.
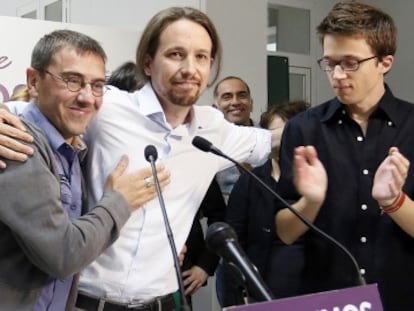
(218, 234)
(202, 143)
(150, 152)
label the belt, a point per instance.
(164, 303)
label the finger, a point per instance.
(16, 122)
(187, 291)
(2, 164)
(402, 163)
(18, 133)
(12, 155)
(160, 168)
(311, 154)
(121, 166)
(393, 150)
(187, 281)
(143, 173)
(184, 249)
(7, 117)
(399, 179)
(190, 289)
(164, 180)
(14, 144)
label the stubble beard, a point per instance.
(183, 101)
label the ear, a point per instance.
(387, 62)
(32, 80)
(147, 65)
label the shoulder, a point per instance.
(113, 94)
(16, 107)
(315, 114)
(40, 143)
(205, 112)
(36, 132)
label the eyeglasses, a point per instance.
(345, 64)
(75, 83)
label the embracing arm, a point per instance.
(32, 210)
(12, 132)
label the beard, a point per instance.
(183, 100)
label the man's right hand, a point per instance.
(133, 186)
(12, 132)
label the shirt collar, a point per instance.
(386, 105)
(151, 107)
(33, 114)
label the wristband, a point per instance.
(395, 206)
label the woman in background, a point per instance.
(251, 213)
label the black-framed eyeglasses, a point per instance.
(75, 83)
(349, 64)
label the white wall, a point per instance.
(7, 8)
(125, 14)
(401, 76)
(241, 25)
(15, 54)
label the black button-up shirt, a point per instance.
(385, 253)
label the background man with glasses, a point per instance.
(368, 205)
(44, 239)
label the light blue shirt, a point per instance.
(55, 295)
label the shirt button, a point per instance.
(363, 239)
(339, 121)
(362, 271)
(360, 138)
(389, 123)
(343, 111)
(364, 207)
(365, 172)
(73, 207)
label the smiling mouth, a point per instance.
(81, 111)
(235, 111)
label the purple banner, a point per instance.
(361, 298)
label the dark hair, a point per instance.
(358, 19)
(125, 77)
(46, 48)
(230, 78)
(286, 111)
(150, 38)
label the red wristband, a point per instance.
(396, 207)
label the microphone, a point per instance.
(151, 156)
(206, 146)
(222, 239)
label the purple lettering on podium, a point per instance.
(360, 298)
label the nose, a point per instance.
(235, 100)
(338, 72)
(189, 65)
(85, 94)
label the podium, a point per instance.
(359, 298)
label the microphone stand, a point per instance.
(207, 146)
(184, 303)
